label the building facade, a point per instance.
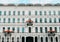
(29, 23)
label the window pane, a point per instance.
(41, 30)
(36, 29)
(4, 12)
(40, 12)
(0, 12)
(29, 12)
(35, 12)
(23, 30)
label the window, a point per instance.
(7, 39)
(35, 12)
(58, 12)
(18, 20)
(29, 29)
(59, 20)
(23, 12)
(41, 39)
(54, 12)
(50, 20)
(8, 20)
(29, 12)
(36, 29)
(18, 12)
(45, 20)
(54, 20)
(40, 20)
(2, 39)
(9, 12)
(50, 28)
(46, 39)
(13, 29)
(56, 29)
(4, 12)
(22, 29)
(51, 39)
(56, 39)
(13, 20)
(44, 12)
(59, 29)
(18, 30)
(40, 12)
(41, 30)
(36, 20)
(0, 20)
(17, 39)
(46, 30)
(3, 29)
(12, 39)
(13, 12)
(8, 28)
(23, 20)
(4, 20)
(49, 12)
(0, 12)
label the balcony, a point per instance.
(51, 33)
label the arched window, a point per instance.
(12, 39)
(46, 39)
(2, 39)
(17, 39)
(56, 39)
(51, 39)
(7, 39)
(36, 29)
(41, 39)
(23, 39)
(36, 40)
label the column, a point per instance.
(39, 39)
(54, 39)
(49, 39)
(34, 39)
(25, 39)
(43, 39)
(20, 39)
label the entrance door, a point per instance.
(29, 39)
(29, 29)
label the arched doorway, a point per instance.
(29, 39)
